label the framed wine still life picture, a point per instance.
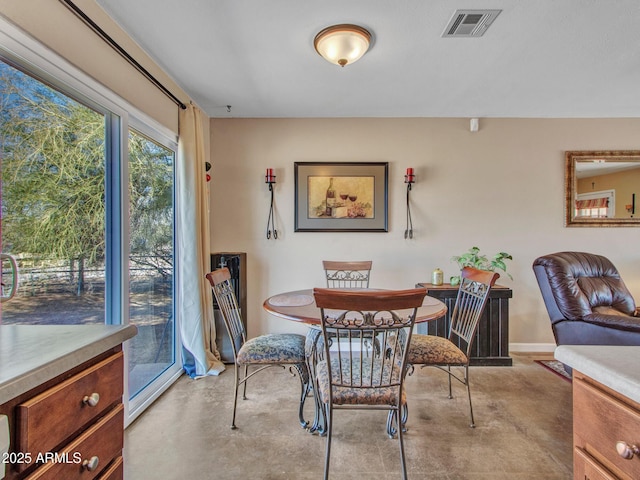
(341, 196)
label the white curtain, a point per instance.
(199, 353)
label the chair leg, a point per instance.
(314, 348)
(392, 420)
(466, 382)
(329, 429)
(244, 386)
(235, 395)
(303, 373)
(401, 442)
(449, 372)
(320, 419)
(404, 416)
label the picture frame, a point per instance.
(609, 176)
(341, 196)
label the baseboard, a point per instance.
(532, 347)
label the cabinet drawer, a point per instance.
(47, 420)
(600, 421)
(586, 468)
(101, 443)
(115, 470)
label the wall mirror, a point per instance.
(601, 188)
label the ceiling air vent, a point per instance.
(470, 23)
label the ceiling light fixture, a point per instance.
(342, 44)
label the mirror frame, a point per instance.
(570, 181)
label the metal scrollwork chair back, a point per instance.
(347, 376)
(455, 350)
(347, 274)
(264, 351)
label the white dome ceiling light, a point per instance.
(342, 44)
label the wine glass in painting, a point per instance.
(353, 198)
(343, 197)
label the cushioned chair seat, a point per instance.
(430, 349)
(282, 348)
(357, 395)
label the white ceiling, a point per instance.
(540, 58)
(592, 169)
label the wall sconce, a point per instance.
(409, 179)
(632, 208)
(270, 179)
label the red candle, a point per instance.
(410, 171)
(270, 177)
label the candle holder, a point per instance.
(270, 179)
(409, 179)
(631, 208)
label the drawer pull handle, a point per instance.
(91, 400)
(91, 464)
(627, 451)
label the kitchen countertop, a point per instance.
(613, 366)
(33, 354)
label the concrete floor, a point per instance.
(523, 432)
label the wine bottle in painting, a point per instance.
(330, 199)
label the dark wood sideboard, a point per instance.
(491, 345)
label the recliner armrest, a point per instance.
(619, 322)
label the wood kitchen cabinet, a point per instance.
(606, 432)
(66, 415)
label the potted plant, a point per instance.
(474, 259)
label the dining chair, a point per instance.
(269, 350)
(347, 274)
(455, 349)
(347, 377)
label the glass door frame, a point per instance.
(47, 65)
(136, 405)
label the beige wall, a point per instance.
(55, 26)
(501, 189)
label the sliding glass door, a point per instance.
(88, 220)
(151, 174)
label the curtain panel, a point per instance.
(195, 303)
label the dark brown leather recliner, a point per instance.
(587, 301)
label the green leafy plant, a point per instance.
(474, 259)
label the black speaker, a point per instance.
(236, 262)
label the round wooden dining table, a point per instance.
(300, 306)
